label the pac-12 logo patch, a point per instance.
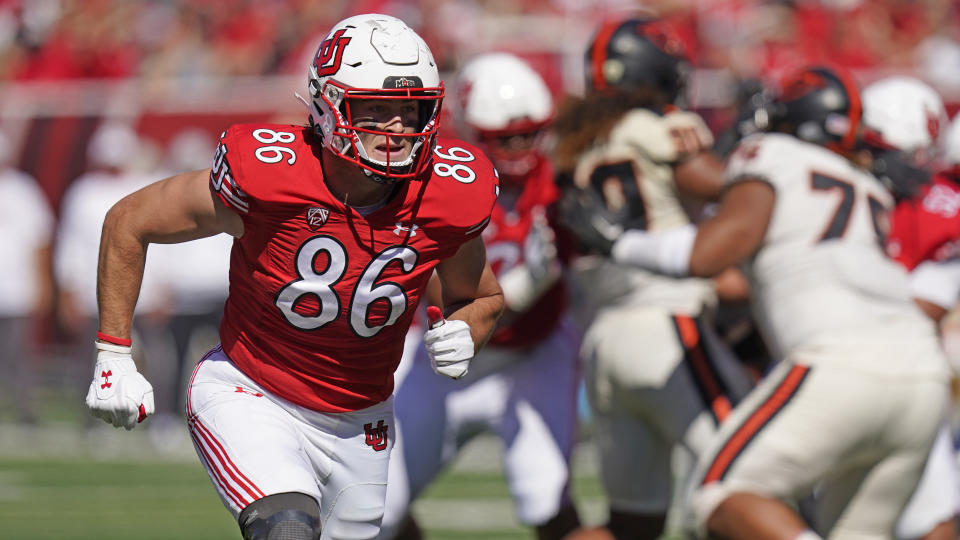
(376, 437)
(330, 54)
(317, 217)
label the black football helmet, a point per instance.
(819, 105)
(637, 52)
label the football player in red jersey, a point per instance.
(338, 226)
(904, 118)
(522, 387)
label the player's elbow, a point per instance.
(121, 222)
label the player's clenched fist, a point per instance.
(118, 393)
(449, 344)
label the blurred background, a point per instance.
(100, 97)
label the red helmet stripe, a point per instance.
(598, 56)
(856, 107)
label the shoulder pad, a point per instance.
(668, 138)
(463, 187)
(246, 160)
(758, 155)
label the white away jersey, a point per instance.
(821, 282)
(634, 165)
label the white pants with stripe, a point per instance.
(253, 444)
(655, 380)
(860, 438)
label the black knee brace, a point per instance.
(282, 516)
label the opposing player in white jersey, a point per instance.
(903, 118)
(656, 375)
(522, 386)
(855, 403)
(338, 226)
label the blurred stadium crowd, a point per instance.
(161, 39)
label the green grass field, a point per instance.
(78, 498)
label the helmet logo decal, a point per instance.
(317, 217)
(403, 82)
(330, 54)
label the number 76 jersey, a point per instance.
(820, 279)
(321, 295)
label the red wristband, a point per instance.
(107, 338)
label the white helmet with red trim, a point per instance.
(906, 113)
(504, 105)
(374, 57)
(903, 118)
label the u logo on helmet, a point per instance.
(330, 54)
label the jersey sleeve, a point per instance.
(224, 178)
(465, 189)
(755, 158)
(670, 138)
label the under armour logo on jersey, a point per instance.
(317, 217)
(376, 437)
(106, 379)
(400, 229)
(330, 54)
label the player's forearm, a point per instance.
(119, 272)
(480, 313)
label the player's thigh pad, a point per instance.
(660, 367)
(250, 446)
(854, 504)
(538, 427)
(357, 445)
(937, 497)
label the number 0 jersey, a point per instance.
(321, 296)
(821, 282)
(634, 165)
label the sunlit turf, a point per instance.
(80, 499)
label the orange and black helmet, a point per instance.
(819, 105)
(634, 53)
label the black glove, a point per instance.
(584, 213)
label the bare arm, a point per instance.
(736, 231)
(700, 176)
(934, 311)
(174, 210)
(470, 290)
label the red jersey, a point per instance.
(321, 296)
(506, 241)
(927, 227)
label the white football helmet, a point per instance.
(903, 118)
(374, 56)
(906, 113)
(500, 97)
(951, 143)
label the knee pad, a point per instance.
(282, 516)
